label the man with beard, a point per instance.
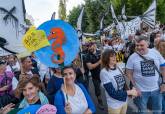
(93, 63)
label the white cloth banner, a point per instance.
(11, 19)
(4, 53)
(126, 28)
(79, 21)
(114, 15)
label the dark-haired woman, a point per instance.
(73, 98)
(114, 83)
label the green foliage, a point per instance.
(94, 10)
(62, 9)
(161, 11)
(137, 7)
(73, 15)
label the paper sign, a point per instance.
(23, 54)
(35, 40)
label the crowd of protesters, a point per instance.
(26, 82)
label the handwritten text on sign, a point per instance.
(35, 39)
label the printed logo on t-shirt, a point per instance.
(147, 68)
(120, 81)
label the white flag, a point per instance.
(114, 15)
(79, 21)
(150, 15)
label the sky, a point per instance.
(41, 10)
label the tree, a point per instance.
(73, 16)
(62, 9)
(137, 7)
(160, 11)
(94, 10)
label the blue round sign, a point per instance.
(32, 109)
(64, 44)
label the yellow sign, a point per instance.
(23, 54)
(34, 39)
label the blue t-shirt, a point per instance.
(53, 86)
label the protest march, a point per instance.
(89, 57)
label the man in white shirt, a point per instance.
(144, 76)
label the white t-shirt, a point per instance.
(107, 47)
(118, 81)
(145, 76)
(121, 46)
(42, 70)
(116, 47)
(14, 83)
(78, 102)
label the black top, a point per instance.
(93, 58)
(131, 47)
(37, 103)
(34, 63)
(53, 86)
(85, 59)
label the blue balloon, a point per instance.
(70, 46)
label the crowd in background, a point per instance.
(140, 58)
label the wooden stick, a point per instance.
(65, 88)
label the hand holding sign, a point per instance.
(35, 39)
